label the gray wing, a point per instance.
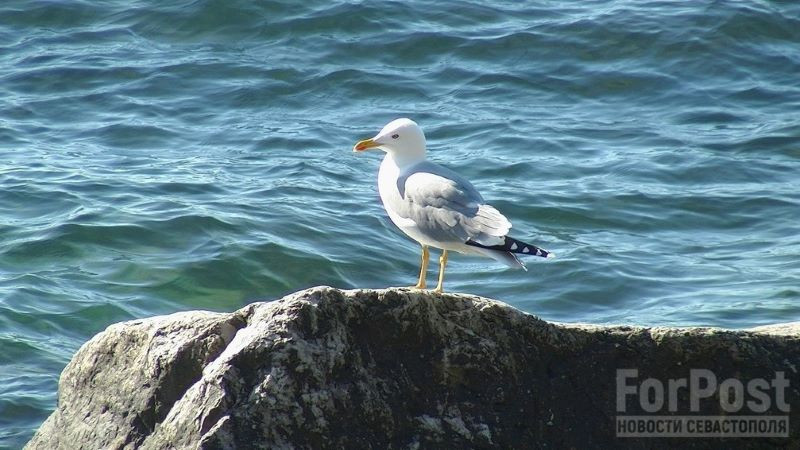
(447, 208)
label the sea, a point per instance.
(159, 156)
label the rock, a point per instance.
(395, 368)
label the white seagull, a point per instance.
(437, 207)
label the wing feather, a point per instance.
(447, 208)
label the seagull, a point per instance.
(437, 207)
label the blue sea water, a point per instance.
(165, 156)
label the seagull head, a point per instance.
(401, 137)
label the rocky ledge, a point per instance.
(399, 368)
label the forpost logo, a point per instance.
(743, 404)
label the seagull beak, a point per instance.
(366, 144)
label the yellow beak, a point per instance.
(366, 144)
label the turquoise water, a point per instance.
(166, 156)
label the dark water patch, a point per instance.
(775, 144)
(25, 202)
(93, 317)
(191, 225)
(188, 188)
(710, 116)
(97, 34)
(15, 350)
(787, 294)
(131, 136)
(290, 144)
(753, 22)
(49, 15)
(240, 274)
(26, 414)
(50, 249)
(759, 95)
(356, 83)
(159, 234)
(50, 80)
(61, 324)
(10, 138)
(340, 20)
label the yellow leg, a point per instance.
(423, 269)
(442, 264)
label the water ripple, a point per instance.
(196, 154)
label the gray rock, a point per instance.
(395, 368)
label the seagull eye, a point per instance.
(395, 136)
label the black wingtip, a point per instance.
(512, 245)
